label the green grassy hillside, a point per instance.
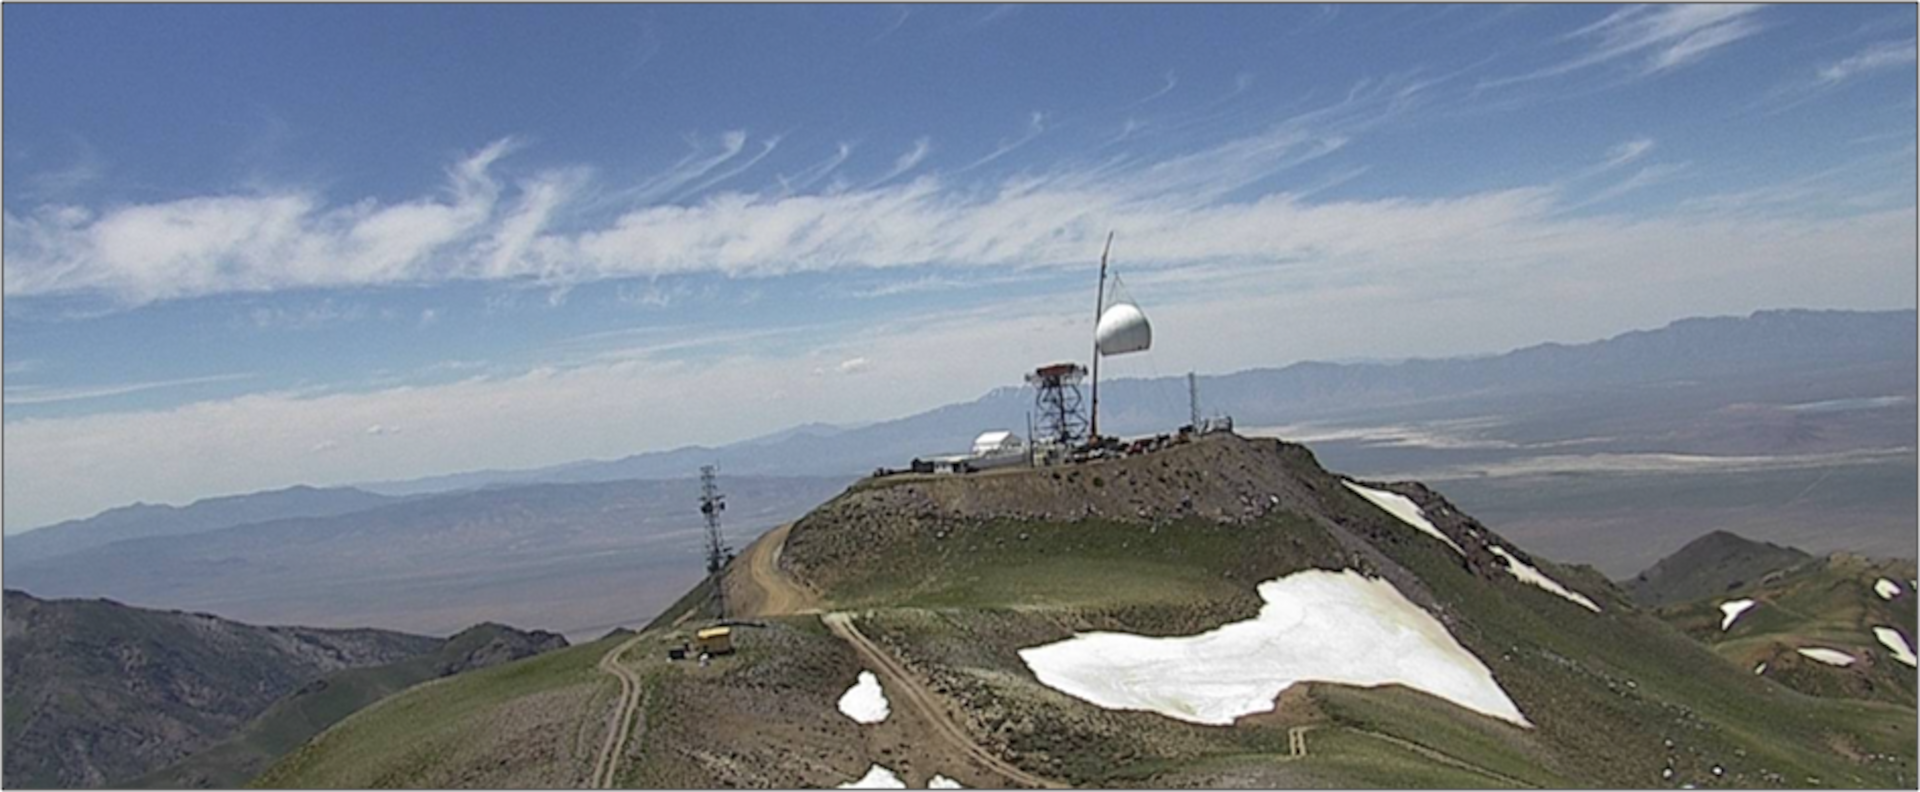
(304, 713)
(98, 692)
(943, 580)
(531, 723)
(1821, 603)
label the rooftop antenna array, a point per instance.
(712, 503)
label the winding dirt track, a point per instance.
(763, 590)
(758, 588)
(899, 681)
(621, 727)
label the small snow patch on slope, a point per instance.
(1404, 508)
(1887, 589)
(1828, 656)
(865, 702)
(1316, 626)
(1732, 610)
(942, 782)
(1895, 643)
(877, 777)
(1527, 574)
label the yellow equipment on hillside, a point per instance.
(714, 640)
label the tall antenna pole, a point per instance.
(1193, 402)
(1099, 307)
(712, 503)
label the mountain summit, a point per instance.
(1222, 612)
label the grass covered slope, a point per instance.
(294, 719)
(98, 692)
(1828, 603)
(531, 723)
(1709, 566)
(937, 584)
(958, 574)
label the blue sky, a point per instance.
(249, 247)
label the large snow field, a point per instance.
(1828, 656)
(1316, 626)
(1895, 643)
(1404, 508)
(1526, 573)
(1731, 610)
(877, 777)
(865, 702)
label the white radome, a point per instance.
(1123, 329)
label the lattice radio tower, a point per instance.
(1056, 403)
(712, 503)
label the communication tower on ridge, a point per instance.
(719, 555)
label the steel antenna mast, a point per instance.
(712, 503)
(1099, 307)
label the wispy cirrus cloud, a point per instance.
(1877, 57)
(907, 161)
(1036, 126)
(904, 13)
(1658, 173)
(1163, 90)
(1197, 207)
(308, 317)
(996, 13)
(29, 395)
(812, 174)
(485, 227)
(1352, 278)
(1627, 152)
(244, 243)
(1646, 40)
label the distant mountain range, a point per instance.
(543, 547)
(143, 520)
(572, 558)
(1689, 350)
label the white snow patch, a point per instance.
(865, 702)
(1760, 669)
(1895, 643)
(877, 777)
(1732, 610)
(942, 782)
(1404, 508)
(1887, 589)
(1526, 573)
(1828, 656)
(1316, 626)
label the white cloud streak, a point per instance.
(485, 228)
(906, 162)
(1367, 280)
(28, 394)
(808, 176)
(1171, 82)
(1884, 55)
(1645, 177)
(1036, 126)
(1651, 39)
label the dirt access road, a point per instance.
(897, 681)
(622, 725)
(757, 587)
